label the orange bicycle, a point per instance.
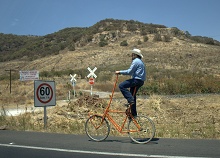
(140, 129)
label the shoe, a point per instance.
(130, 103)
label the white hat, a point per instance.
(138, 52)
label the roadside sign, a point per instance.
(73, 79)
(44, 93)
(91, 81)
(29, 75)
(92, 74)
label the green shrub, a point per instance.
(145, 38)
(143, 32)
(71, 47)
(103, 43)
(157, 37)
(173, 83)
(166, 38)
(139, 42)
(124, 43)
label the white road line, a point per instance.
(93, 152)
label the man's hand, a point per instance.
(117, 72)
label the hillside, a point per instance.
(169, 53)
(177, 54)
(74, 48)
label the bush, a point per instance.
(139, 42)
(103, 43)
(157, 37)
(143, 32)
(146, 38)
(124, 43)
(71, 47)
(166, 38)
(188, 84)
(204, 40)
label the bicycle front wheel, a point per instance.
(145, 133)
(97, 128)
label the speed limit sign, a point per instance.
(44, 93)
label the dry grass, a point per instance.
(188, 117)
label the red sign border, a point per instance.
(44, 102)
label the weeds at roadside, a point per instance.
(173, 118)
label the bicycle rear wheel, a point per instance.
(96, 128)
(145, 134)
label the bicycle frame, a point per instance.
(110, 118)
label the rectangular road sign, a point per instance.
(29, 75)
(44, 93)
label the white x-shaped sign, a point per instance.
(92, 74)
(72, 78)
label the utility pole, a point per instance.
(10, 70)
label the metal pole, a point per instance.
(45, 117)
(10, 81)
(91, 90)
(74, 91)
(73, 86)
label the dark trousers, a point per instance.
(130, 95)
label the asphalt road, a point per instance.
(16, 144)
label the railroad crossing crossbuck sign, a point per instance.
(73, 79)
(92, 74)
(44, 93)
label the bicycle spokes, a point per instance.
(97, 128)
(145, 133)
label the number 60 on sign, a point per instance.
(44, 93)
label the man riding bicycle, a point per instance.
(137, 70)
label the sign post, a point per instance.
(73, 81)
(91, 77)
(44, 95)
(91, 82)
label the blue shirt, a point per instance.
(136, 70)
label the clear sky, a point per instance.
(42, 17)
